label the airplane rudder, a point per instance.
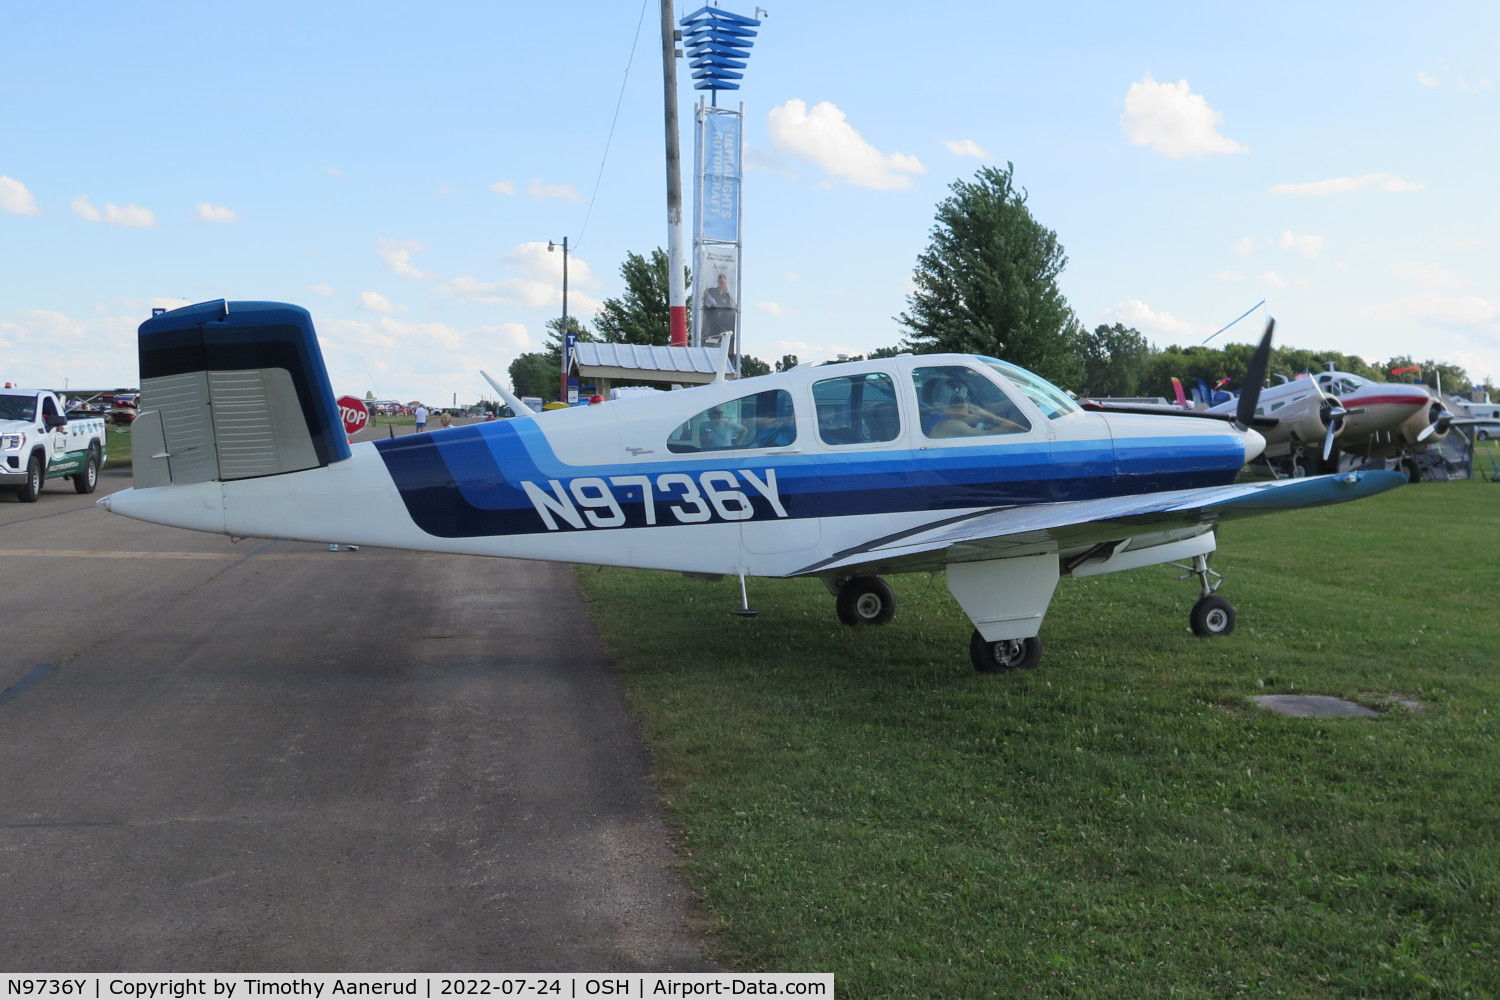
(241, 391)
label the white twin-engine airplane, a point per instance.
(839, 471)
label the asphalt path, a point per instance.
(266, 756)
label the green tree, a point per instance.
(1116, 361)
(534, 374)
(751, 367)
(787, 363)
(642, 315)
(987, 283)
(554, 338)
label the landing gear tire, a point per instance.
(32, 488)
(88, 479)
(1005, 655)
(1413, 474)
(866, 600)
(1211, 616)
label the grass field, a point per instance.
(1124, 821)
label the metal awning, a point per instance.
(646, 363)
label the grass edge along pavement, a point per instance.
(1122, 821)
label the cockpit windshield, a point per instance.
(1341, 384)
(1051, 400)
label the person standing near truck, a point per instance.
(421, 414)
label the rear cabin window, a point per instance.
(857, 409)
(957, 401)
(764, 420)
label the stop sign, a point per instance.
(355, 415)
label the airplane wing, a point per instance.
(1160, 410)
(1010, 531)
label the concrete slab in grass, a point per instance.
(1313, 706)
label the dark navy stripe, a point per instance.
(466, 483)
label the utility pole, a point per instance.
(676, 286)
(567, 337)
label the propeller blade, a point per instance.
(1426, 433)
(1254, 376)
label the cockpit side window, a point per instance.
(957, 401)
(857, 409)
(764, 420)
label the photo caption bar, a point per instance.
(421, 986)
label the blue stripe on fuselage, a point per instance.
(467, 481)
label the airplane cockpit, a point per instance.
(1341, 384)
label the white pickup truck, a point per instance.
(39, 441)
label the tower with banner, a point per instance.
(717, 43)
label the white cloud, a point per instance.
(1431, 275)
(335, 171)
(540, 191)
(1172, 120)
(131, 215)
(1436, 309)
(208, 212)
(375, 302)
(320, 288)
(504, 187)
(1482, 84)
(776, 309)
(397, 256)
(539, 284)
(824, 138)
(1271, 278)
(15, 198)
(1388, 183)
(1245, 245)
(1426, 81)
(965, 147)
(513, 336)
(1307, 244)
(1142, 317)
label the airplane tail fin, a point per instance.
(232, 390)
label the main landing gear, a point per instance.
(1212, 615)
(1005, 655)
(865, 600)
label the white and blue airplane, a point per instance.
(843, 472)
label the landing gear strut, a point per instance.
(1212, 615)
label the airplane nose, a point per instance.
(1254, 444)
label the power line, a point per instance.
(578, 240)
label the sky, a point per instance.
(399, 169)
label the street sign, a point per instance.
(356, 415)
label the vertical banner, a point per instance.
(718, 144)
(719, 189)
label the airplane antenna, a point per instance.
(517, 407)
(1241, 316)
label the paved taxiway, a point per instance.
(267, 756)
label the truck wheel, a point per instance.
(33, 486)
(88, 479)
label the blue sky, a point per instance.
(398, 169)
